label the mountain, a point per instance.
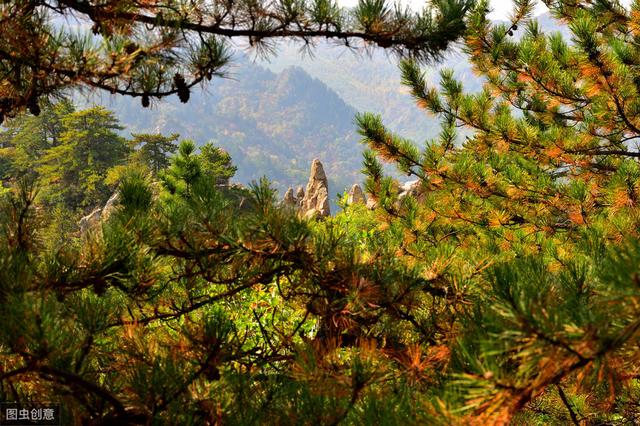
(274, 117)
(272, 124)
(371, 82)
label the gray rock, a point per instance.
(110, 206)
(316, 196)
(356, 196)
(99, 215)
(90, 220)
(299, 197)
(289, 200)
(312, 214)
(322, 202)
(412, 187)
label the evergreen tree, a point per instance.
(185, 170)
(216, 162)
(74, 171)
(26, 139)
(189, 309)
(521, 222)
(153, 150)
(502, 287)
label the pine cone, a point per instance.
(384, 42)
(130, 48)
(33, 106)
(212, 373)
(145, 100)
(181, 85)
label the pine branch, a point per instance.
(156, 50)
(568, 405)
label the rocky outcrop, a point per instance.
(316, 198)
(90, 220)
(411, 187)
(300, 196)
(289, 199)
(110, 206)
(99, 215)
(314, 201)
(356, 196)
(415, 189)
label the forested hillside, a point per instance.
(371, 82)
(272, 124)
(275, 122)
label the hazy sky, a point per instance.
(501, 8)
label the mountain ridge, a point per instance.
(272, 124)
(274, 117)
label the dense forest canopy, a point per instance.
(502, 288)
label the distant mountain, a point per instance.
(275, 116)
(371, 82)
(272, 124)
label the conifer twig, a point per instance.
(568, 404)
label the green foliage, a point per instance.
(521, 222)
(185, 170)
(25, 140)
(210, 167)
(135, 193)
(70, 153)
(74, 170)
(501, 286)
(243, 291)
(216, 163)
(154, 150)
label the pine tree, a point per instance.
(156, 49)
(153, 150)
(187, 308)
(74, 171)
(502, 288)
(26, 139)
(216, 162)
(185, 170)
(525, 220)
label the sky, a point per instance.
(501, 8)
